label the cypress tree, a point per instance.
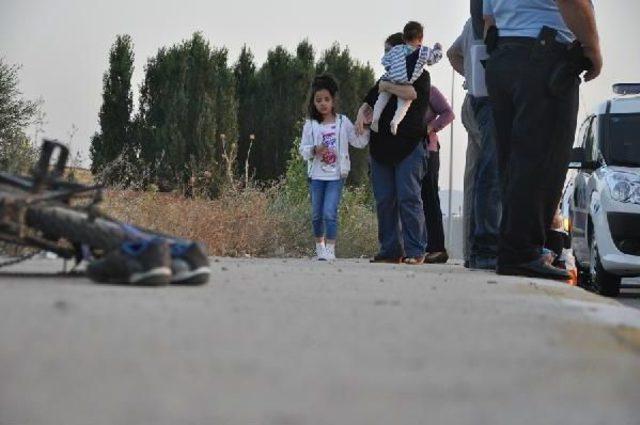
(283, 83)
(246, 91)
(115, 112)
(187, 104)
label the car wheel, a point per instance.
(602, 282)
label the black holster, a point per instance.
(491, 39)
(571, 61)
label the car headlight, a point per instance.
(621, 191)
(624, 187)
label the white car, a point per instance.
(601, 201)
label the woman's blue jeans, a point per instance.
(397, 189)
(325, 198)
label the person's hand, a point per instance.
(365, 116)
(320, 150)
(595, 56)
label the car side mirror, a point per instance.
(579, 160)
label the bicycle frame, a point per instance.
(46, 185)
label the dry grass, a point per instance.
(233, 225)
(274, 221)
(249, 222)
(80, 175)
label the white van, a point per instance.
(601, 201)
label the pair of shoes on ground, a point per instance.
(153, 263)
(540, 268)
(412, 261)
(325, 252)
(439, 257)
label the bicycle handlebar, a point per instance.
(42, 174)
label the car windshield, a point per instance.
(625, 139)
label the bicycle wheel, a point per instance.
(76, 227)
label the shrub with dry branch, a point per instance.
(252, 221)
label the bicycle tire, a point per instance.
(76, 226)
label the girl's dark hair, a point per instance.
(322, 82)
(395, 39)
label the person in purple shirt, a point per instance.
(439, 116)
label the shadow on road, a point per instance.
(61, 277)
(41, 275)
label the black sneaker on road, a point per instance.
(137, 263)
(189, 264)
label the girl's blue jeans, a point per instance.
(325, 198)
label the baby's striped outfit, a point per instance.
(395, 63)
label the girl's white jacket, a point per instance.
(312, 136)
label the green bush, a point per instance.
(17, 154)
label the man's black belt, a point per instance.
(529, 41)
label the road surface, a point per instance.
(630, 295)
(288, 342)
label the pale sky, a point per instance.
(63, 45)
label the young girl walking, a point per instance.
(325, 145)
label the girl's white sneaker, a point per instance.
(321, 252)
(330, 252)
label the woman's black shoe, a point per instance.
(436, 258)
(379, 259)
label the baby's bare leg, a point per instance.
(381, 103)
(401, 112)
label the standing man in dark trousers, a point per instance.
(537, 48)
(482, 203)
(459, 55)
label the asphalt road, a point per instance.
(630, 295)
(288, 342)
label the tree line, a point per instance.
(197, 113)
(16, 114)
